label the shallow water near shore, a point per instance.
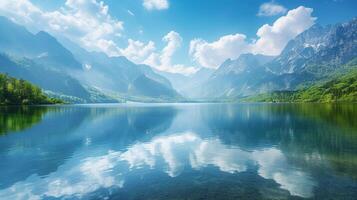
(179, 151)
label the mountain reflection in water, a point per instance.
(257, 151)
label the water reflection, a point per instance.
(306, 133)
(188, 149)
(183, 151)
(63, 131)
(169, 153)
(13, 119)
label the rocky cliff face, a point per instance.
(330, 46)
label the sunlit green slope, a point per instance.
(20, 92)
(340, 89)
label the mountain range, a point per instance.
(315, 55)
(65, 70)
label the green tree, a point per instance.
(20, 92)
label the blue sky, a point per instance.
(214, 30)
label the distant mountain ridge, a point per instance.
(333, 45)
(245, 63)
(64, 69)
(46, 78)
(315, 54)
(190, 86)
(40, 58)
(235, 77)
(118, 74)
(41, 47)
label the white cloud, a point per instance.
(271, 9)
(271, 39)
(156, 4)
(85, 22)
(173, 41)
(163, 60)
(142, 53)
(213, 54)
(137, 51)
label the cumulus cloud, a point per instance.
(137, 51)
(271, 9)
(173, 40)
(213, 54)
(271, 39)
(142, 53)
(85, 22)
(156, 4)
(163, 60)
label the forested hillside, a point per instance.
(340, 89)
(20, 92)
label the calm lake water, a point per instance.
(179, 151)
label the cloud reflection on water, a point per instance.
(173, 153)
(188, 149)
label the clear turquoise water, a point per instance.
(179, 151)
